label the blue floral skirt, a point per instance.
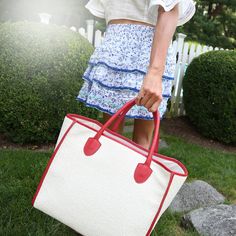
(117, 67)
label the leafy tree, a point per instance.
(213, 23)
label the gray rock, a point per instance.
(194, 195)
(163, 144)
(217, 220)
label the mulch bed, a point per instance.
(178, 126)
(182, 127)
(5, 144)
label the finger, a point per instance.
(150, 102)
(153, 99)
(139, 97)
(145, 99)
(155, 106)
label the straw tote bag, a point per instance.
(101, 183)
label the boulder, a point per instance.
(219, 220)
(194, 195)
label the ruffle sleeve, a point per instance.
(96, 8)
(187, 8)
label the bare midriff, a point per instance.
(125, 21)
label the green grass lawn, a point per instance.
(20, 172)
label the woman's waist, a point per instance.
(126, 29)
(129, 21)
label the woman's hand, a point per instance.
(150, 94)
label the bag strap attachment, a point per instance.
(143, 170)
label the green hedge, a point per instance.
(41, 69)
(209, 94)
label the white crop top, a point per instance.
(139, 10)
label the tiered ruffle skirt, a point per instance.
(117, 67)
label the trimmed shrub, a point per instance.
(41, 68)
(209, 94)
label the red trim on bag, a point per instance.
(71, 116)
(50, 162)
(160, 207)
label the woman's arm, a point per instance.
(150, 94)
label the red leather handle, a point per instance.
(120, 119)
(143, 170)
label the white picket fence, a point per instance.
(184, 54)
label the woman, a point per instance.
(135, 59)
